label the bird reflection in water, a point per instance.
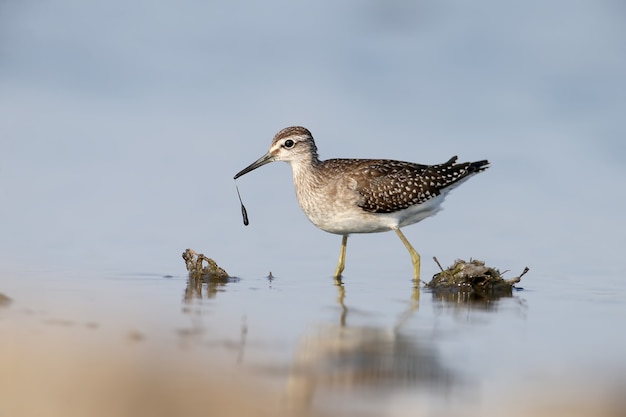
(341, 356)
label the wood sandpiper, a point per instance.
(345, 196)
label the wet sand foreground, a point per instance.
(71, 369)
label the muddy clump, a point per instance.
(206, 277)
(474, 280)
(197, 269)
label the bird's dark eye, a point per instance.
(289, 143)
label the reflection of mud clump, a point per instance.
(474, 279)
(4, 300)
(194, 262)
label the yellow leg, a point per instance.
(342, 257)
(415, 257)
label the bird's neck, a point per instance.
(305, 172)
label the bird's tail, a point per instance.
(478, 166)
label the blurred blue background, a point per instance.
(122, 124)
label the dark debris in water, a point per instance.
(197, 269)
(205, 276)
(474, 279)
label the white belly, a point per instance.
(345, 217)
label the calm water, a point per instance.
(370, 347)
(117, 151)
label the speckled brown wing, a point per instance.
(387, 186)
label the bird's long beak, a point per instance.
(265, 159)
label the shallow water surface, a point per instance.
(132, 344)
